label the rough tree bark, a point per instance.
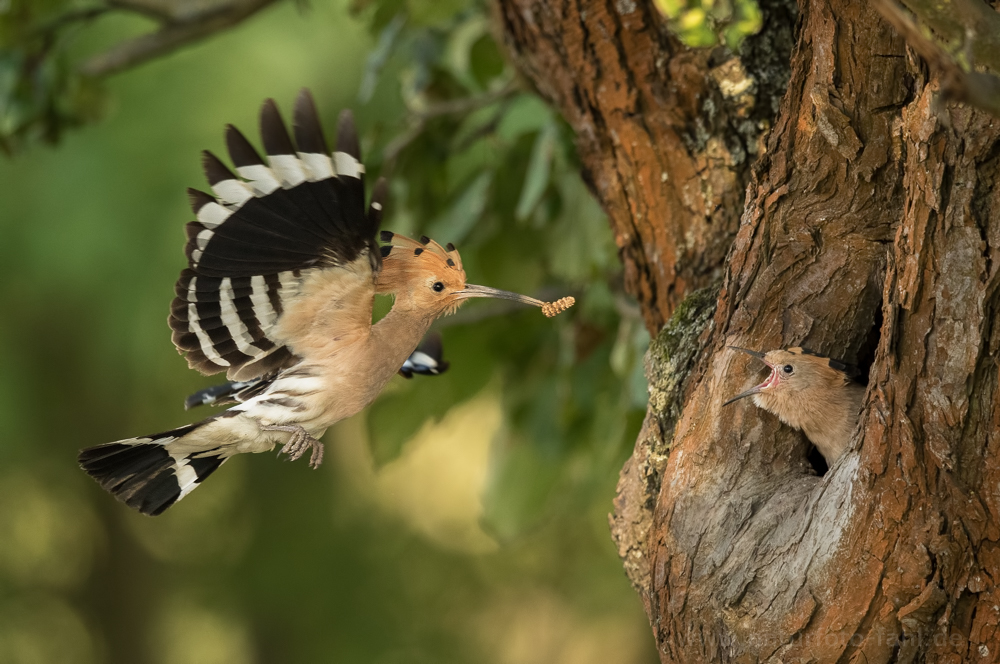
(666, 134)
(868, 229)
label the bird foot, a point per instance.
(298, 443)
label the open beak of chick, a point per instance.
(772, 379)
(550, 309)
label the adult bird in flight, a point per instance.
(283, 268)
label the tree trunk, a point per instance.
(666, 134)
(871, 232)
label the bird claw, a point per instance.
(297, 444)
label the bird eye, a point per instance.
(787, 368)
(438, 287)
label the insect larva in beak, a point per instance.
(551, 309)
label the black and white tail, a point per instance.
(149, 474)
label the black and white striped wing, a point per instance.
(263, 231)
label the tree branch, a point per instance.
(418, 120)
(171, 36)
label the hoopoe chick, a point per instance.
(809, 392)
(283, 268)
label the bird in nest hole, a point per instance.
(812, 393)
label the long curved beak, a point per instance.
(472, 290)
(749, 393)
(550, 309)
(752, 353)
(753, 390)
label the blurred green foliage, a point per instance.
(477, 161)
(424, 538)
(41, 91)
(702, 23)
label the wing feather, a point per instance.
(265, 233)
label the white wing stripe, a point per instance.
(288, 168)
(289, 285)
(317, 166)
(187, 479)
(203, 339)
(266, 315)
(231, 319)
(262, 178)
(201, 241)
(232, 192)
(348, 165)
(212, 214)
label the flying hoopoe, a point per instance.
(812, 393)
(283, 269)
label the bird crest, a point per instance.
(283, 268)
(404, 251)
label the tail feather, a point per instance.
(144, 474)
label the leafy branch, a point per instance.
(417, 120)
(174, 32)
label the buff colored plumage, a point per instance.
(811, 393)
(283, 267)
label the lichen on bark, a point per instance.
(668, 361)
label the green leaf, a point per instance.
(486, 60)
(526, 113)
(582, 244)
(379, 56)
(458, 52)
(455, 224)
(480, 156)
(536, 180)
(435, 12)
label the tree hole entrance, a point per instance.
(866, 353)
(817, 461)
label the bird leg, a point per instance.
(298, 443)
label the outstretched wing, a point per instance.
(264, 232)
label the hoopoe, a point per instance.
(812, 393)
(283, 268)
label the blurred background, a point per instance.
(461, 518)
